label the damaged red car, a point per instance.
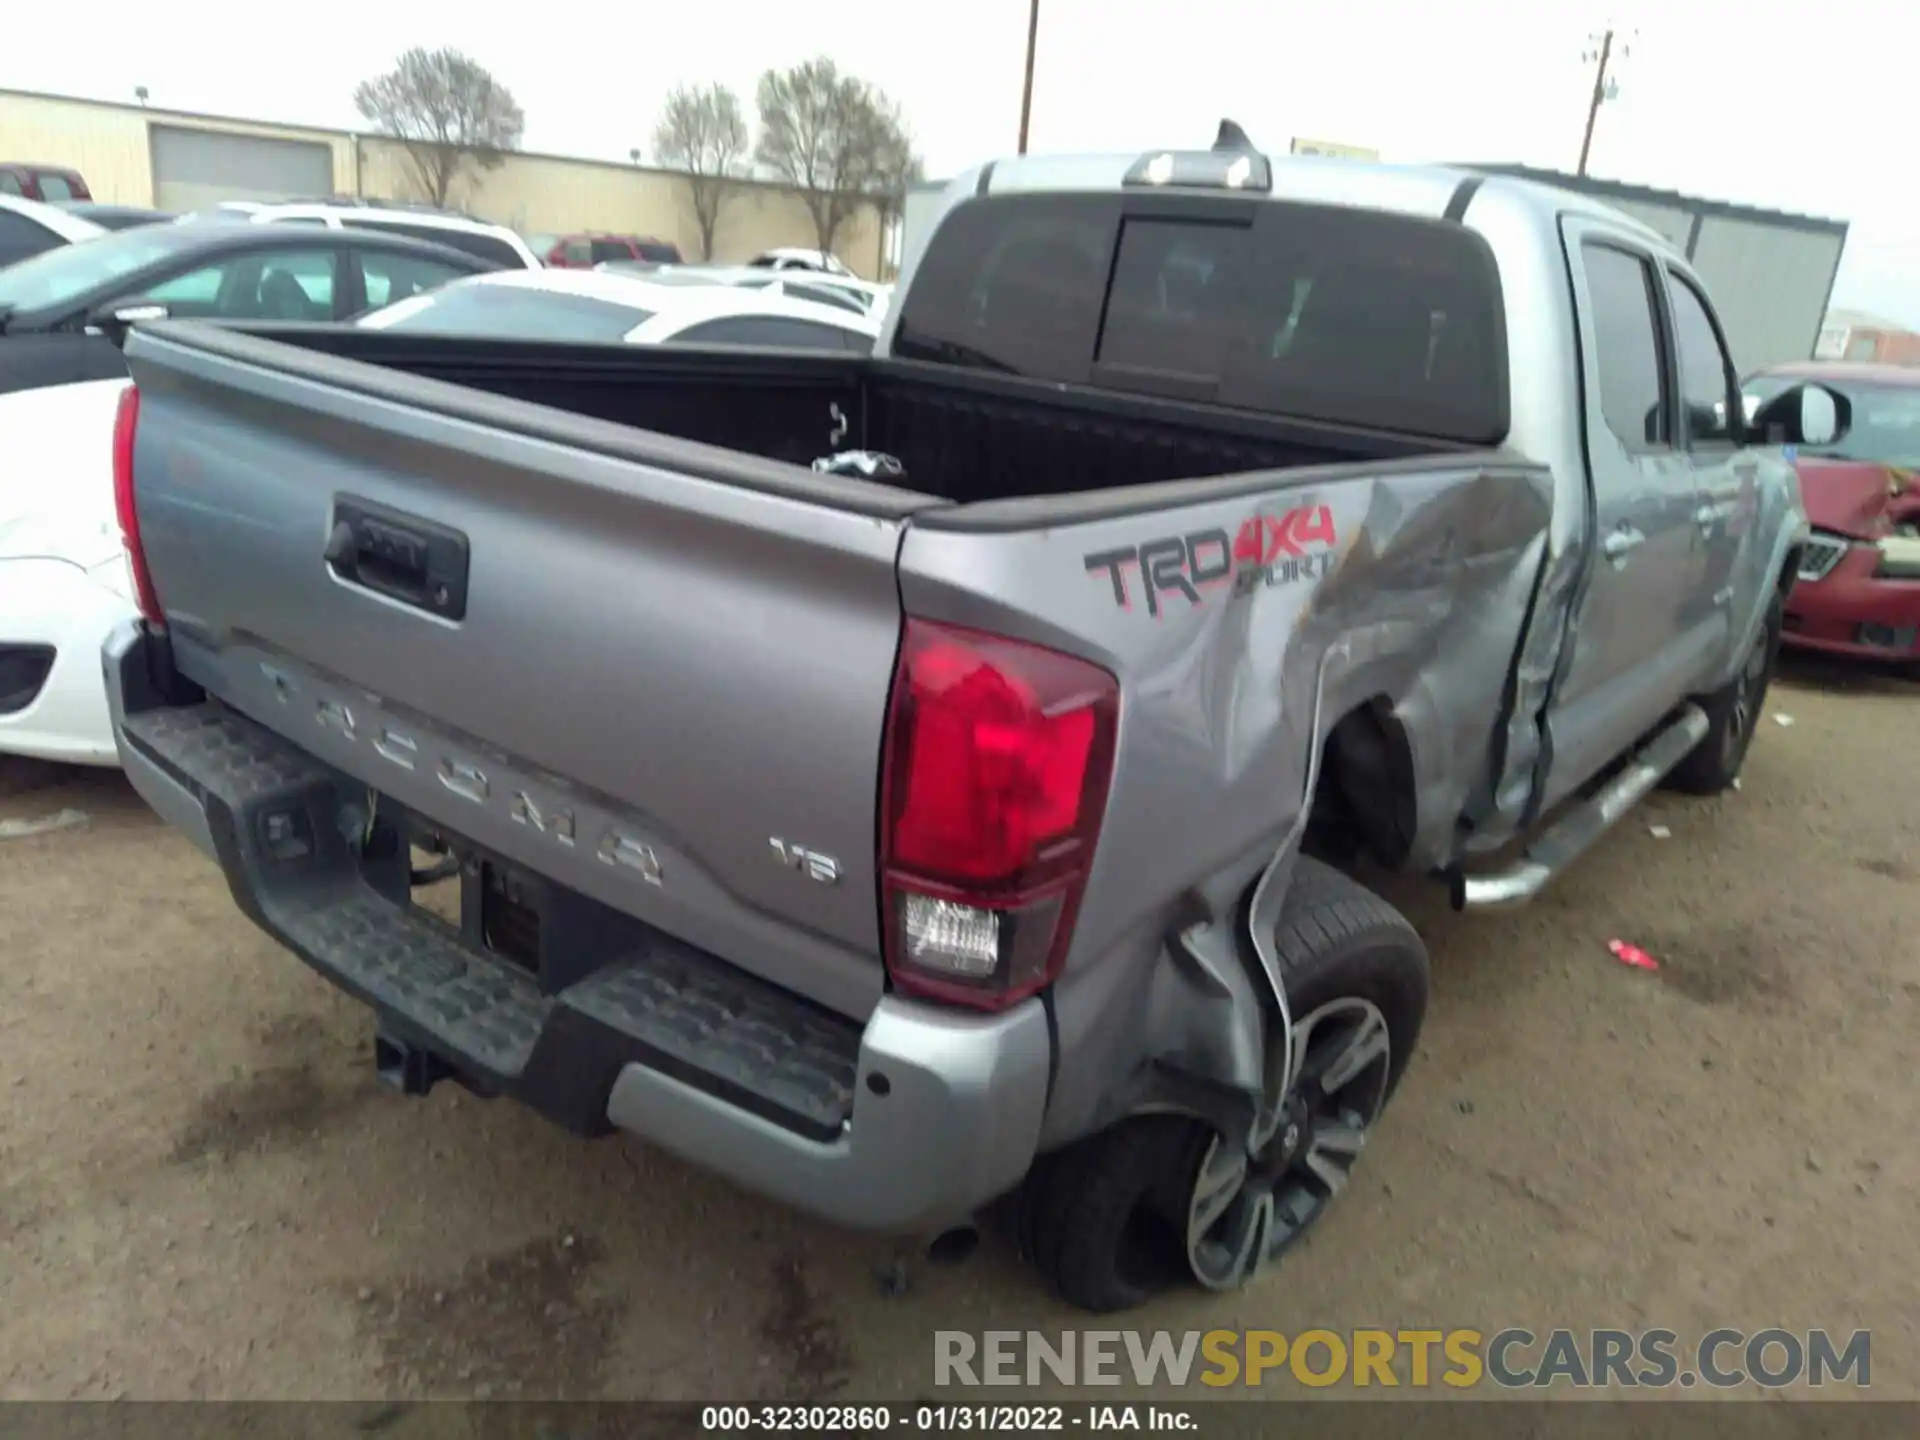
(1858, 591)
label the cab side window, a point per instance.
(291, 285)
(1627, 349)
(1707, 387)
(391, 277)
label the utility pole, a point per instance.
(1026, 93)
(1600, 55)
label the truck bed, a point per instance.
(651, 666)
(964, 437)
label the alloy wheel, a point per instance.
(1248, 1204)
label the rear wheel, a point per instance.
(1733, 714)
(1157, 1198)
(1357, 978)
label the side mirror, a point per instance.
(1807, 414)
(115, 319)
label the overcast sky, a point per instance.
(1809, 107)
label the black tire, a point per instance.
(1733, 715)
(1098, 1218)
(1337, 938)
(1104, 1219)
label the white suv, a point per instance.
(493, 243)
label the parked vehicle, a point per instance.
(863, 297)
(1858, 590)
(63, 574)
(896, 781)
(28, 228)
(597, 305)
(216, 271)
(584, 251)
(794, 258)
(498, 246)
(46, 183)
(62, 578)
(117, 217)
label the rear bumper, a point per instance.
(1851, 611)
(908, 1122)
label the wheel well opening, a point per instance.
(1364, 798)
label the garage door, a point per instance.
(193, 169)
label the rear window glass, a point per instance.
(510, 312)
(495, 251)
(1316, 312)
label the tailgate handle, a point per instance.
(402, 557)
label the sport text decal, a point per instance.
(1268, 550)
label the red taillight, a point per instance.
(126, 420)
(998, 755)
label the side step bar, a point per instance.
(1585, 821)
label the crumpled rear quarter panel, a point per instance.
(1426, 573)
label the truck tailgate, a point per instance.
(662, 683)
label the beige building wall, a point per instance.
(536, 193)
(111, 146)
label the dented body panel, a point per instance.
(1219, 623)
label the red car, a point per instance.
(48, 183)
(1859, 588)
(584, 251)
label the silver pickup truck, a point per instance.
(896, 846)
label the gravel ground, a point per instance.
(204, 1193)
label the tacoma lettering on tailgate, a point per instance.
(468, 781)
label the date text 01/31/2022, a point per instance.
(1268, 550)
(942, 1419)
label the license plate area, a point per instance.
(509, 914)
(500, 907)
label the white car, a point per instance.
(794, 257)
(847, 291)
(28, 228)
(63, 575)
(631, 308)
(495, 244)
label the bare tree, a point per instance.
(702, 133)
(447, 111)
(889, 166)
(816, 132)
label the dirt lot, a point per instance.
(204, 1193)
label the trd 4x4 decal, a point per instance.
(1267, 550)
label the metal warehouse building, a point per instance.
(1770, 273)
